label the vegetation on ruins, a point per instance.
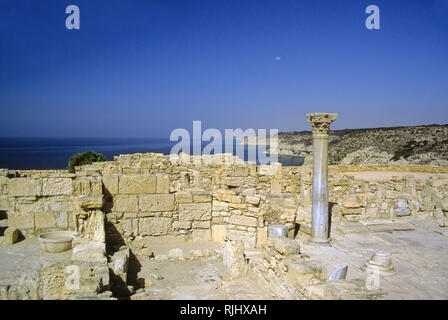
(87, 157)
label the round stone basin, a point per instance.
(56, 241)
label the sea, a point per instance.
(54, 153)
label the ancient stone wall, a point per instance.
(354, 197)
(199, 198)
(217, 197)
(37, 201)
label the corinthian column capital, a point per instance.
(321, 122)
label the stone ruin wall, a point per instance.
(163, 198)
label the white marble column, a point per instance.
(320, 216)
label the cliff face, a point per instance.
(400, 145)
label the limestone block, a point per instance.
(21, 220)
(351, 202)
(154, 226)
(11, 236)
(444, 204)
(57, 186)
(218, 233)
(137, 184)
(61, 219)
(266, 170)
(255, 200)
(184, 197)
(156, 202)
(126, 203)
(163, 183)
(45, 220)
(195, 211)
(90, 252)
(99, 231)
(5, 203)
(276, 186)
(234, 181)
(351, 211)
(240, 171)
(262, 236)
(120, 262)
(176, 253)
(65, 204)
(201, 234)
(352, 217)
(110, 182)
(125, 226)
(88, 186)
(20, 187)
(90, 202)
(220, 206)
(239, 206)
(96, 186)
(355, 228)
(285, 246)
(249, 239)
(310, 269)
(243, 220)
(233, 259)
(186, 225)
(201, 224)
(202, 196)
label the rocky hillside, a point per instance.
(417, 145)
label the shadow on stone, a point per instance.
(3, 215)
(330, 215)
(108, 201)
(134, 268)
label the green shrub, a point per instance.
(83, 158)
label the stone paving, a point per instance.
(420, 258)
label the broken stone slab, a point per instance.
(355, 228)
(339, 274)
(444, 204)
(120, 262)
(176, 253)
(306, 270)
(285, 246)
(11, 236)
(90, 252)
(234, 260)
(352, 201)
(387, 227)
(383, 227)
(352, 290)
(90, 202)
(305, 228)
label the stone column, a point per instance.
(320, 217)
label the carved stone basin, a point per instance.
(56, 241)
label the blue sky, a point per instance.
(141, 68)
